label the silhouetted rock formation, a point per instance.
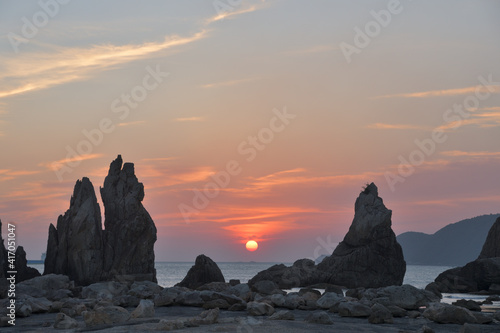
(23, 271)
(303, 272)
(482, 274)
(369, 256)
(204, 271)
(130, 233)
(79, 248)
(491, 247)
(76, 248)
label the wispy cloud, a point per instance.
(395, 126)
(482, 119)
(31, 72)
(228, 83)
(132, 123)
(229, 14)
(446, 92)
(459, 153)
(160, 159)
(55, 165)
(189, 119)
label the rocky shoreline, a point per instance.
(54, 302)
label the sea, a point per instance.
(170, 273)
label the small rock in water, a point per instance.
(282, 315)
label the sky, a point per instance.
(251, 120)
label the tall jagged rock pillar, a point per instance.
(75, 248)
(130, 233)
(369, 256)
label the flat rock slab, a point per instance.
(232, 321)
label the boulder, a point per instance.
(369, 256)
(45, 286)
(204, 271)
(354, 309)
(266, 287)
(469, 328)
(478, 275)
(468, 304)
(259, 309)
(104, 290)
(482, 274)
(144, 289)
(242, 291)
(65, 322)
(328, 300)
(24, 272)
(319, 317)
(380, 315)
(407, 297)
(282, 315)
(303, 272)
(145, 309)
(105, 316)
(449, 314)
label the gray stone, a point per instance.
(170, 325)
(469, 328)
(448, 314)
(380, 315)
(44, 286)
(354, 309)
(266, 287)
(259, 309)
(406, 296)
(204, 271)
(104, 290)
(319, 317)
(468, 304)
(282, 315)
(328, 300)
(144, 289)
(105, 315)
(65, 322)
(369, 256)
(145, 309)
(23, 309)
(242, 291)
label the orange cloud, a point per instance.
(483, 120)
(446, 92)
(55, 165)
(189, 119)
(395, 126)
(458, 153)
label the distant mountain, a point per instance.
(454, 245)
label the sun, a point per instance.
(252, 245)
